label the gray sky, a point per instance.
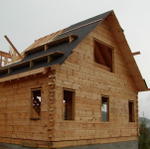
(26, 20)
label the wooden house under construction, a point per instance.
(76, 89)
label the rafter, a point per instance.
(5, 54)
(11, 44)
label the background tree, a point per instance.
(144, 138)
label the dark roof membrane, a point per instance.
(81, 30)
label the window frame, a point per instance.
(32, 117)
(108, 108)
(112, 69)
(73, 104)
(132, 119)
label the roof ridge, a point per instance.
(103, 15)
(82, 26)
(54, 35)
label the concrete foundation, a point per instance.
(118, 145)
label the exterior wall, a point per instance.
(15, 106)
(90, 82)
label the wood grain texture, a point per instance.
(15, 111)
(90, 82)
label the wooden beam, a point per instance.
(148, 89)
(23, 74)
(40, 56)
(61, 40)
(5, 54)
(14, 48)
(72, 38)
(48, 54)
(45, 46)
(136, 53)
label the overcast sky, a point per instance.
(26, 20)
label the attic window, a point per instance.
(36, 104)
(103, 55)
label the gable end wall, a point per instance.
(90, 82)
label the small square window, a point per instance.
(36, 104)
(103, 55)
(105, 109)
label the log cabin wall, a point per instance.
(17, 125)
(90, 82)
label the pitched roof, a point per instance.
(43, 40)
(59, 45)
(126, 53)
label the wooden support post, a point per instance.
(71, 38)
(31, 64)
(0, 60)
(9, 70)
(5, 60)
(45, 47)
(49, 58)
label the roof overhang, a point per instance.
(18, 76)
